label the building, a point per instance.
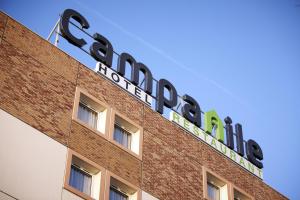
(68, 133)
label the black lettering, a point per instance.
(64, 26)
(191, 110)
(102, 68)
(135, 69)
(147, 100)
(104, 46)
(137, 92)
(127, 84)
(254, 153)
(161, 100)
(229, 133)
(239, 139)
(115, 77)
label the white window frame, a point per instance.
(217, 181)
(124, 131)
(136, 131)
(97, 172)
(123, 186)
(95, 126)
(103, 112)
(237, 191)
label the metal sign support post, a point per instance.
(56, 31)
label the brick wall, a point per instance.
(38, 83)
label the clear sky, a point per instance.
(239, 57)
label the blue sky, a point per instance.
(241, 58)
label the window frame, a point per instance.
(118, 191)
(110, 175)
(233, 187)
(75, 191)
(114, 115)
(124, 131)
(92, 110)
(214, 186)
(84, 173)
(206, 171)
(230, 186)
(107, 114)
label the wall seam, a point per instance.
(8, 195)
(70, 127)
(4, 30)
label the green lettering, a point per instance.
(223, 148)
(205, 136)
(211, 120)
(176, 117)
(213, 143)
(196, 131)
(186, 124)
(242, 162)
(259, 172)
(250, 167)
(232, 155)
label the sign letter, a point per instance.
(212, 121)
(161, 100)
(254, 153)
(135, 70)
(104, 46)
(229, 132)
(64, 26)
(191, 110)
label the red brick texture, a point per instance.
(3, 21)
(38, 83)
(34, 93)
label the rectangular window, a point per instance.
(126, 134)
(83, 177)
(115, 194)
(122, 136)
(91, 113)
(87, 115)
(80, 180)
(215, 187)
(120, 189)
(213, 192)
(239, 195)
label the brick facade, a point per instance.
(38, 83)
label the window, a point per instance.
(115, 194)
(122, 136)
(126, 134)
(90, 112)
(213, 191)
(215, 188)
(120, 189)
(238, 195)
(80, 180)
(87, 115)
(83, 177)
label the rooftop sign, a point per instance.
(124, 83)
(189, 119)
(216, 144)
